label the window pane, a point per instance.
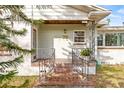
(111, 39)
(120, 39)
(100, 40)
(78, 36)
(79, 39)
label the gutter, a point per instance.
(111, 28)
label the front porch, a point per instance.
(58, 48)
(80, 72)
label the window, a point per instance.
(79, 36)
(111, 39)
(121, 39)
(114, 39)
(100, 40)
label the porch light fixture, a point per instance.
(84, 21)
(65, 36)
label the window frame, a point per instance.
(82, 36)
(112, 32)
(102, 39)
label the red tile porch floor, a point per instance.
(64, 76)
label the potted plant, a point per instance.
(86, 53)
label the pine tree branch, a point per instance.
(6, 43)
(13, 47)
(11, 63)
(4, 37)
(7, 76)
(15, 14)
(16, 10)
(9, 30)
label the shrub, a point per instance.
(86, 52)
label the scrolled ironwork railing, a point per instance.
(46, 60)
(80, 63)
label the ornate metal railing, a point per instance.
(46, 60)
(80, 64)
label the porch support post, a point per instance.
(93, 39)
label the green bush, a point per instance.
(86, 52)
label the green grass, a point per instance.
(110, 76)
(20, 82)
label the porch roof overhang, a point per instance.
(98, 15)
(92, 16)
(111, 28)
(66, 21)
(95, 13)
(72, 13)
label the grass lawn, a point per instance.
(110, 76)
(107, 76)
(20, 82)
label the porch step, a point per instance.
(64, 76)
(63, 68)
(63, 79)
(68, 83)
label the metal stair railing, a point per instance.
(46, 60)
(80, 64)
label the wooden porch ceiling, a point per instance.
(65, 22)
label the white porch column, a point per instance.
(93, 39)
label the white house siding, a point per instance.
(111, 56)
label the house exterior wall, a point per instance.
(51, 36)
(110, 54)
(25, 42)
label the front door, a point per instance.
(62, 49)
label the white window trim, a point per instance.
(36, 42)
(104, 46)
(84, 37)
